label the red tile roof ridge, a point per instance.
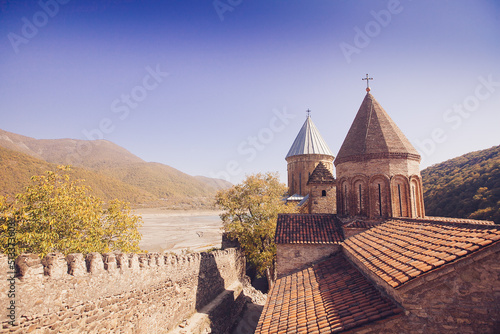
(449, 220)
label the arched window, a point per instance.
(345, 202)
(359, 196)
(323, 193)
(401, 193)
(378, 196)
(416, 202)
(400, 200)
(379, 200)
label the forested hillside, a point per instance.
(111, 170)
(465, 187)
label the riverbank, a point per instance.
(167, 230)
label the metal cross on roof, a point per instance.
(308, 113)
(367, 82)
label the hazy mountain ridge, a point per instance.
(465, 187)
(112, 171)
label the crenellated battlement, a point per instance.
(150, 293)
(57, 266)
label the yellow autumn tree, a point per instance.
(57, 214)
(250, 212)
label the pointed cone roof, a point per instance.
(374, 134)
(309, 141)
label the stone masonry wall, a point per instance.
(323, 204)
(294, 257)
(119, 293)
(378, 166)
(354, 174)
(463, 297)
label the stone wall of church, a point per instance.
(385, 166)
(294, 257)
(323, 198)
(300, 168)
(463, 297)
(130, 293)
(380, 188)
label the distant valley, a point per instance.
(111, 171)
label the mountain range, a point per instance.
(464, 187)
(110, 170)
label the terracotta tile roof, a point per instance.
(321, 174)
(398, 251)
(318, 228)
(329, 297)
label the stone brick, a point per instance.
(294, 257)
(109, 260)
(95, 265)
(29, 266)
(133, 262)
(76, 264)
(55, 265)
(122, 261)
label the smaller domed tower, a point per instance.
(322, 195)
(307, 151)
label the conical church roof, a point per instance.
(373, 134)
(309, 141)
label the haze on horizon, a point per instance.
(220, 88)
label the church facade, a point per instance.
(378, 170)
(362, 256)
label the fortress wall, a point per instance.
(129, 293)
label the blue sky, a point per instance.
(220, 88)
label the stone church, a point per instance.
(362, 256)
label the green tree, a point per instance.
(56, 214)
(250, 211)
